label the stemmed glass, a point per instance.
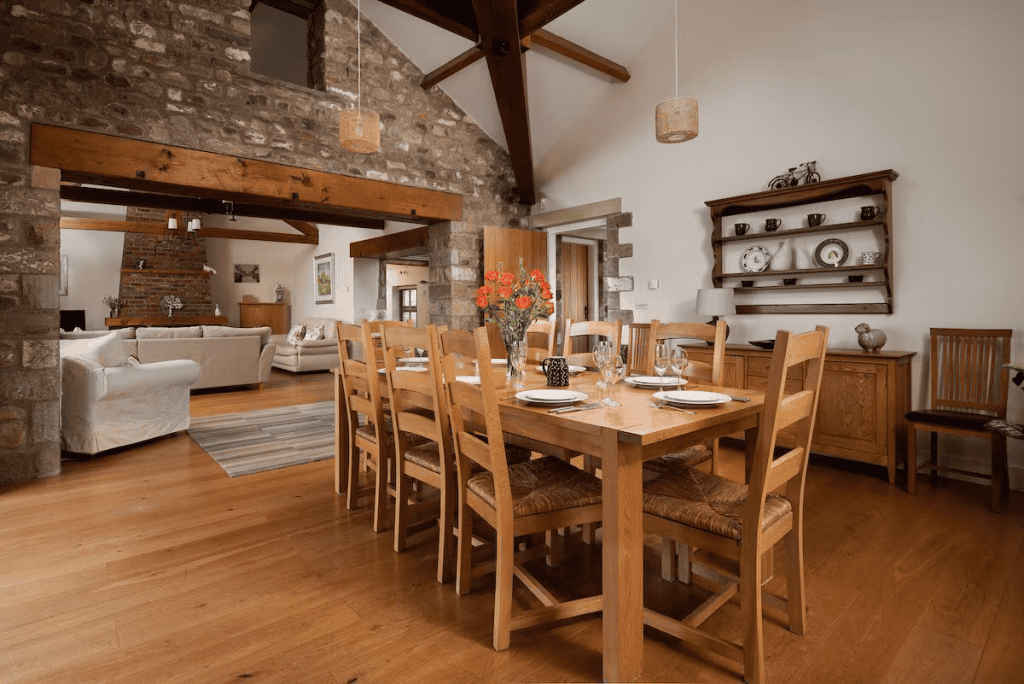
(602, 354)
(517, 357)
(613, 371)
(661, 359)
(679, 362)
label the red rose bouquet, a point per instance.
(513, 301)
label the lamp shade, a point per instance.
(359, 130)
(716, 301)
(675, 120)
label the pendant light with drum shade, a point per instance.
(675, 120)
(359, 129)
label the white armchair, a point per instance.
(107, 406)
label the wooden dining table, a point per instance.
(624, 437)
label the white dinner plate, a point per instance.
(550, 396)
(471, 379)
(573, 370)
(412, 369)
(693, 397)
(499, 362)
(414, 359)
(651, 381)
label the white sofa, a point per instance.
(226, 356)
(110, 400)
(308, 355)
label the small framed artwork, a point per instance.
(63, 275)
(323, 278)
(247, 273)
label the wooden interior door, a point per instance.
(574, 294)
(507, 246)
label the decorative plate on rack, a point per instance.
(755, 259)
(831, 253)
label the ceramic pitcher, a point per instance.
(556, 368)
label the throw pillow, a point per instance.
(295, 334)
(108, 351)
(315, 333)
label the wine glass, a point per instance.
(661, 359)
(602, 353)
(613, 371)
(679, 362)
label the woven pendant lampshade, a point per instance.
(675, 120)
(358, 128)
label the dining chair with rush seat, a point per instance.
(675, 561)
(577, 332)
(422, 438)
(969, 388)
(369, 440)
(540, 340)
(516, 500)
(742, 523)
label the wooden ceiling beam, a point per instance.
(451, 15)
(199, 205)
(539, 13)
(580, 54)
(305, 228)
(87, 157)
(452, 66)
(499, 36)
(393, 245)
(160, 228)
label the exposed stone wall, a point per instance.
(177, 72)
(456, 271)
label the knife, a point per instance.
(570, 409)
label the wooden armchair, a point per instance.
(514, 499)
(744, 522)
(969, 384)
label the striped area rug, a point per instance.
(256, 441)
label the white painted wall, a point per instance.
(929, 88)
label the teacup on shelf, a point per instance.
(869, 258)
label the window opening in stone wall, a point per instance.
(278, 44)
(407, 304)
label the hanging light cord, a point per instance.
(675, 29)
(359, 59)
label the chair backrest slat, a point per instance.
(576, 330)
(639, 361)
(967, 373)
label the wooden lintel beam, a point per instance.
(297, 9)
(103, 159)
(304, 228)
(393, 245)
(452, 66)
(155, 228)
(151, 200)
(580, 54)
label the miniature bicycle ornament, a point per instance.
(806, 172)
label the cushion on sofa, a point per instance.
(296, 333)
(315, 333)
(108, 350)
(228, 331)
(125, 334)
(330, 332)
(169, 333)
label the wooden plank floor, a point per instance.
(148, 564)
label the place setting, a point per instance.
(560, 400)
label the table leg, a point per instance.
(340, 439)
(622, 552)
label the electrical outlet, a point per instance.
(641, 304)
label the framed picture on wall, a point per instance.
(323, 278)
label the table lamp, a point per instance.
(715, 302)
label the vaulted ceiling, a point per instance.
(581, 47)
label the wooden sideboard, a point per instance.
(258, 314)
(864, 398)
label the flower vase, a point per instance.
(510, 337)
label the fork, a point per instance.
(670, 406)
